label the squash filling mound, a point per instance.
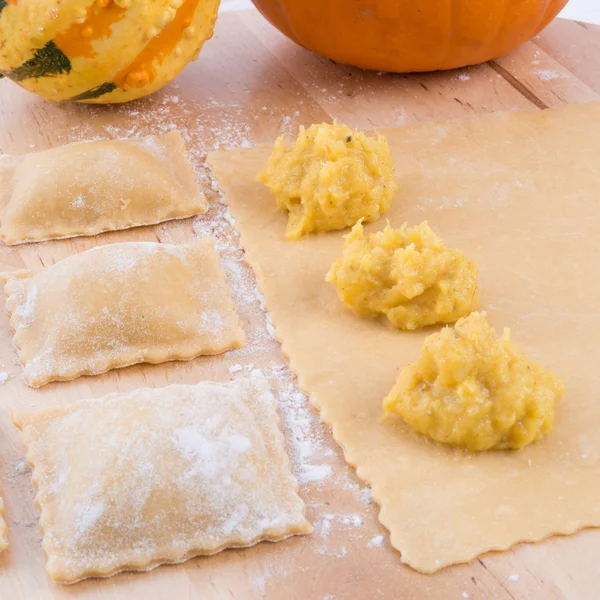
(406, 275)
(329, 178)
(476, 392)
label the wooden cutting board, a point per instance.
(249, 86)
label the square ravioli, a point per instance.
(90, 187)
(132, 481)
(118, 305)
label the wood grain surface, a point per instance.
(249, 86)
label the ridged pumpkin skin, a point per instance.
(100, 51)
(410, 35)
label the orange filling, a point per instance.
(76, 41)
(143, 69)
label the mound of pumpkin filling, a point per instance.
(329, 178)
(473, 391)
(406, 275)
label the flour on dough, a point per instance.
(89, 187)
(132, 481)
(118, 305)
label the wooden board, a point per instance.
(250, 85)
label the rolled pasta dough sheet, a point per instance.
(519, 194)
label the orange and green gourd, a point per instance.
(100, 51)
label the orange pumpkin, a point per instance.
(410, 35)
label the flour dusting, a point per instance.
(88, 516)
(99, 333)
(21, 468)
(217, 443)
(78, 201)
(212, 455)
(376, 542)
(25, 311)
(314, 473)
(547, 75)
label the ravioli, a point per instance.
(90, 187)
(118, 305)
(132, 481)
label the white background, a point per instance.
(582, 10)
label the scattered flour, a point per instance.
(464, 77)
(211, 321)
(314, 473)
(270, 328)
(205, 124)
(89, 516)
(364, 495)
(331, 523)
(547, 75)
(4, 377)
(78, 202)
(376, 542)
(353, 520)
(21, 468)
(514, 577)
(260, 583)
(25, 311)
(298, 420)
(359, 490)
